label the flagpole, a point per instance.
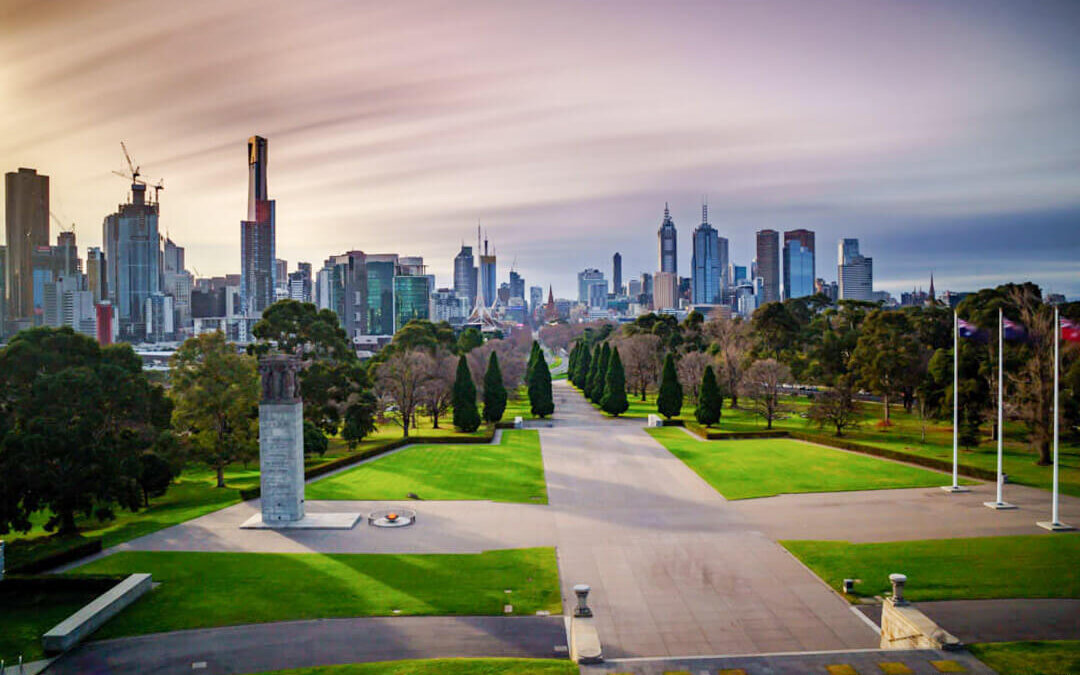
(955, 487)
(1000, 503)
(1056, 525)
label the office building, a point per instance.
(737, 273)
(668, 244)
(258, 258)
(665, 291)
(855, 272)
(448, 306)
(281, 274)
(705, 265)
(465, 275)
(768, 265)
(616, 274)
(381, 270)
(798, 267)
(133, 254)
(487, 288)
(3, 290)
(27, 228)
(411, 299)
(300, 283)
(587, 280)
(517, 285)
(536, 299)
(826, 288)
(95, 273)
(633, 289)
(159, 314)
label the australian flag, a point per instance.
(971, 332)
(1070, 330)
(1014, 331)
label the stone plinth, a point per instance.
(82, 623)
(281, 461)
(904, 627)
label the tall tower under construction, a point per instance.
(257, 235)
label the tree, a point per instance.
(710, 403)
(155, 476)
(775, 327)
(534, 352)
(670, 398)
(691, 368)
(469, 340)
(836, 407)
(438, 392)
(494, 391)
(596, 383)
(466, 416)
(762, 384)
(359, 420)
(541, 399)
(640, 355)
(584, 365)
(885, 354)
(315, 441)
(400, 381)
(731, 341)
(614, 401)
(216, 394)
(300, 328)
(594, 365)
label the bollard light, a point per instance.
(582, 593)
(898, 581)
(849, 585)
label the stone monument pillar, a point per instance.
(281, 440)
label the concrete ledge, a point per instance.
(654, 421)
(311, 521)
(584, 641)
(82, 623)
(904, 627)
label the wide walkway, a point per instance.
(675, 569)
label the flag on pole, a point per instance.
(1014, 331)
(1070, 330)
(970, 331)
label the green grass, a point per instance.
(518, 405)
(1056, 657)
(390, 431)
(26, 614)
(202, 590)
(445, 667)
(512, 471)
(1032, 566)
(744, 469)
(555, 363)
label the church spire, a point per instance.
(932, 296)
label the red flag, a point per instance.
(1070, 330)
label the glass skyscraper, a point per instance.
(133, 254)
(668, 244)
(380, 297)
(705, 267)
(258, 257)
(798, 270)
(768, 265)
(411, 299)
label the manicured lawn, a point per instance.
(390, 431)
(512, 471)
(742, 469)
(1055, 657)
(445, 667)
(518, 405)
(1033, 566)
(26, 614)
(201, 590)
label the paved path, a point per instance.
(295, 644)
(676, 570)
(1000, 620)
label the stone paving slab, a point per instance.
(897, 515)
(1004, 620)
(862, 662)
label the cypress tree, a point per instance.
(669, 400)
(591, 377)
(584, 365)
(494, 391)
(534, 350)
(541, 400)
(709, 399)
(614, 401)
(596, 390)
(466, 416)
(575, 353)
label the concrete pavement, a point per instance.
(1001, 620)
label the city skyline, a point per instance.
(387, 145)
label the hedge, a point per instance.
(38, 564)
(95, 583)
(349, 460)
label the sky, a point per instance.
(944, 135)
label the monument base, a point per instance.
(311, 521)
(999, 506)
(1055, 526)
(953, 489)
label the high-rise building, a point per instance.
(668, 244)
(536, 299)
(133, 254)
(381, 270)
(465, 275)
(27, 228)
(855, 272)
(827, 288)
(799, 266)
(633, 289)
(281, 274)
(517, 285)
(705, 267)
(95, 273)
(726, 281)
(66, 254)
(258, 235)
(300, 283)
(665, 290)
(488, 283)
(587, 280)
(737, 274)
(3, 290)
(768, 264)
(412, 298)
(448, 306)
(616, 274)
(177, 283)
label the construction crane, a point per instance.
(60, 223)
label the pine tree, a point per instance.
(466, 416)
(709, 399)
(584, 366)
(596, 389)
(571, 364)
(669, 400)
(614, 401)
(541, 400)
(533, 352)
(494, 391)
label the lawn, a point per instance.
(742, 469)
(1032, 566)
(27, 614)
(1056, 657)
(202, 590)
(445, 667)
(518, 405)
(512, 471)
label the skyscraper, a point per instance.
(465, 275)
(705, 268)
(412, 295)
(133, 254)
(487, 277)
(799, 263)
(587, 279)
(665, 290)
(27, 221)
(855, 273)
(668, 245)
(300, 283)
(768, 264)
(517, 285)
(616, 273)
(95, 274)
(536, 299)
(258, 267)
(381, 270)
